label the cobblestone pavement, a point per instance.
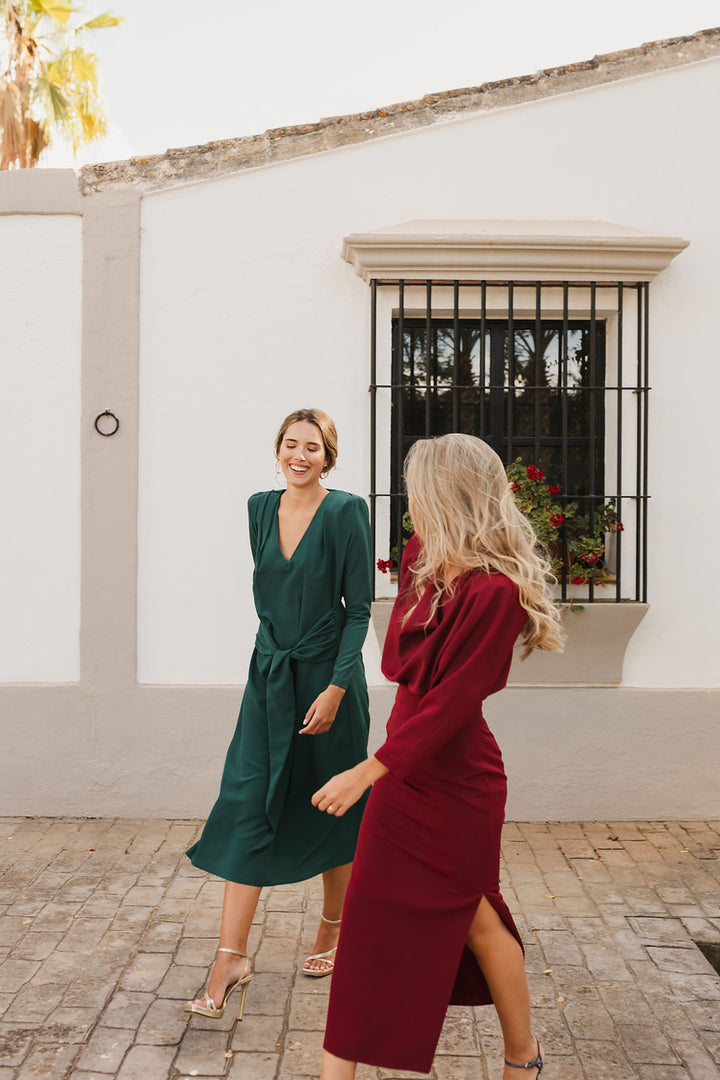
(105, 930)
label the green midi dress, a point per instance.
(314, 609)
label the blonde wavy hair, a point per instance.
(466, 518)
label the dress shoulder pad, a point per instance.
(262, 504)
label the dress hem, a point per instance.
(294, 880)
(386, 1063)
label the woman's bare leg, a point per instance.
(335, 1068)
(501, 960)
(335, 883)
(239, 906)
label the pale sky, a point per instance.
(180, 73)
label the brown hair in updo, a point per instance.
(324, 425)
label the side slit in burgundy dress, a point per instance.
(429, 844)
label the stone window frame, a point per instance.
(524, 252)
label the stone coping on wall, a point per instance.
(190, 164)
(597, 637)
(39, 191)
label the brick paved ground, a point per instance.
(105, 930)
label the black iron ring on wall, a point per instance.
(112, 420)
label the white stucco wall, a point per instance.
(40, 270)
(248, 311)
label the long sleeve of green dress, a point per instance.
(356, 590)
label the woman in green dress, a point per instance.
(304, 715)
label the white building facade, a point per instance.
(200, 296)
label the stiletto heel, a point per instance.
(327, 957)
(205, 1006)
(243, 995)
(536, 1064)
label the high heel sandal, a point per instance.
(207, 1006)
(327, 957)
(536, 1064)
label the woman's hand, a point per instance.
(343, 791)
(321, 713)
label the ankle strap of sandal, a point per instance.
(536, 1064)
(331, 922)
(235, 952)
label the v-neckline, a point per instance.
(307, 527)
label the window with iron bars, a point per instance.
(552, 373)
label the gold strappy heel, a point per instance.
(328, 957)
(207, 1006)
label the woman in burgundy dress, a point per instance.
(424, 924)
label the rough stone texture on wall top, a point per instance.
(196, 163)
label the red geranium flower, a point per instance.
(590, 559)
(556, 520)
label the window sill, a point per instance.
(597, 637)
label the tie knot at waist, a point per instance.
(316, 644)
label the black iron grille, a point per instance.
(553, 373)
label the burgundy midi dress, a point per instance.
(429, 844)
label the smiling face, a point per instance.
(302, 454)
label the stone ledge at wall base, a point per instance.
(597, 637)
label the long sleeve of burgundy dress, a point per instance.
(429, 844)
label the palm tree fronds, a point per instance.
(84, 67)
(93, 126)
(101, 22)
(35, 142)
(51, 84)
(58, 10)
(53, 102)
(11, 123)
(23, 139)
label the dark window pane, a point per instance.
(521, 396)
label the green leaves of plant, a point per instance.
(571, 543)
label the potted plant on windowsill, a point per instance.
(575, 547)
(390, 565)
(598, 635)
(574, 544)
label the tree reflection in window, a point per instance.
(541, 400)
